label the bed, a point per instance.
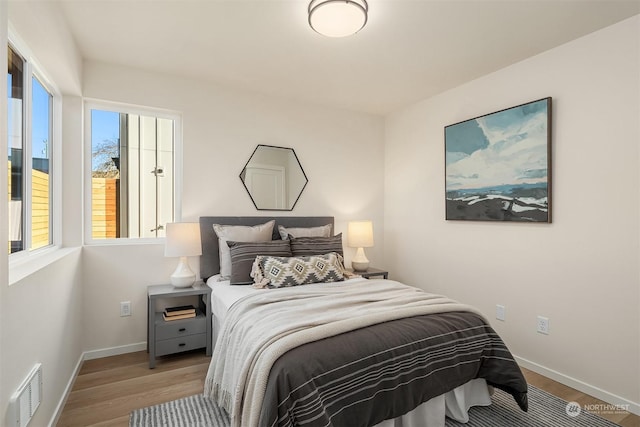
(351, 353)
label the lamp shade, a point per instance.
(337, 18)
(182, 239)
(360, 234)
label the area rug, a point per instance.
(545, 410)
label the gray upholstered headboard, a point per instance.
(210, 259)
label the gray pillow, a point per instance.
(307, 246)
(239, 233)
(243, 254)
(322, 231)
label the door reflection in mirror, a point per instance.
(274, 178)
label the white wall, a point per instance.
(582, 270)
(40, 315)
(42, 320)
(340, 151)
(41, 25)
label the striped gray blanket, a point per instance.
(349, 354)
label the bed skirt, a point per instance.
(454, 404)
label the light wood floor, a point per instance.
(572, 395)
(107, 390)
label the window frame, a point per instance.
(99, 104)
(33, 69)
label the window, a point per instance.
(30, 140)
(41, 185)
(132, 165)
(15, 90)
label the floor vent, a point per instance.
(26, 399)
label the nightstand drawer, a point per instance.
(176, 345)
(177, 328)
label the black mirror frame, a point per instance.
(242, 172)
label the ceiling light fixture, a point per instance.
(338, 18)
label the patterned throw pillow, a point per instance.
(243, 254)
(306, 246)
(279, 272)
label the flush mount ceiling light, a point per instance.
(338, 18)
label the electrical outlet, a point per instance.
(125, 308)
(500, 312)
(543, 325)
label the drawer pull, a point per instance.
(181, 345)
(182, 329)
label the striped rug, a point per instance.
(545, 410)
(191, 411)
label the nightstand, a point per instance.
(169, 337)
(371, 272)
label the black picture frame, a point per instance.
(498, 166)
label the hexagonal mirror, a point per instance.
(273, 178)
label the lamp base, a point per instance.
(183, 276)
(360, 261)
(360, 266)
(183, 282)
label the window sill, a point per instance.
(25, 266)
(124, 241)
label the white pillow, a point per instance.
(322, 231)
(239, 233)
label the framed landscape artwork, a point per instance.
(498, 166)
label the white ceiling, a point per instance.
(408, 51)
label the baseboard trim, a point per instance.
(114, 351)
(90, 355)
(633, 407)
(67, 390)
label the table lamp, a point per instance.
(360, 235)
(182, 240)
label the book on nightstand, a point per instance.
(181, 312)
(178, 317)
